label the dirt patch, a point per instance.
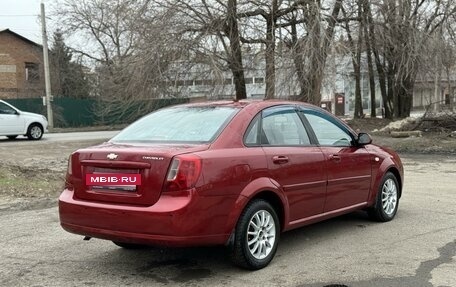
(368, 125)
(32, 173)
(431, 141)
(20, 181)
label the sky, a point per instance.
(22, 17)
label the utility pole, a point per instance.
(47, 79)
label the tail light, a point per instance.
(183, 173)
(70, 166)
(68, 183)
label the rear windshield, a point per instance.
(178, 125)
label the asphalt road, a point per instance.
(418, 248)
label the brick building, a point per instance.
(21, 67)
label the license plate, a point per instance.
(113, 179)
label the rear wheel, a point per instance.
(35, 132)
(256, 236)
(387, 200)
(129, 245)
(12, 137)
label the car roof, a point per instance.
(245, 103)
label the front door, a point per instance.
(349, 167)
(11, 123)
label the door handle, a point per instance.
(335, 157)
(280, 159)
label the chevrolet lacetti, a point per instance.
(227, 173)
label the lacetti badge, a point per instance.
(112, 156)
(149, 157)
(110, 179)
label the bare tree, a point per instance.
(125, 46)
(310, 48)
(356, 50)
(269, 13)
(212, 28)
(146, 48)
(368, 34)
(402, 31)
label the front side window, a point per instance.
(327, 132)
(6, 110)
(178, 125)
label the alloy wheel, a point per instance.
(389, 196)
(35, 132)
(261, 234)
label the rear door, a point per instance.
(294, 163)
(348, 166)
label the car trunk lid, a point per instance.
(106, 162)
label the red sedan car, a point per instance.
(232, 173)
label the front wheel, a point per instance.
(387, 201)
(256, 236)
(35, 132)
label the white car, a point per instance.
(14, 122)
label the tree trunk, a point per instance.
(270, 80)
(270, 59)
(235, 57)
(370, 65)
(380, 68)
(298, 61)
(356, 61)
(358, 99)
(450, 93)
(390, 91)
(359, 113)
(319, 54)
(437, 88)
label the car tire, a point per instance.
(256, 236)
(12, 137)
(129, 245)
(387, 200)
(35, 132)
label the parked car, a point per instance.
(227, 173)
(14, 122)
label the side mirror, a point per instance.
(364, 139)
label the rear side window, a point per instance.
(279, 126)
(178, 125)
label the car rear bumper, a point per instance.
(172, 221)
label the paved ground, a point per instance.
(418, 248)
(62, 137)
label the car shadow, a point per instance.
(170, 265)
(179, 265)
(5, 139)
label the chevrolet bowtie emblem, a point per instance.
(112, 156)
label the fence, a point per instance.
(69, 112)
